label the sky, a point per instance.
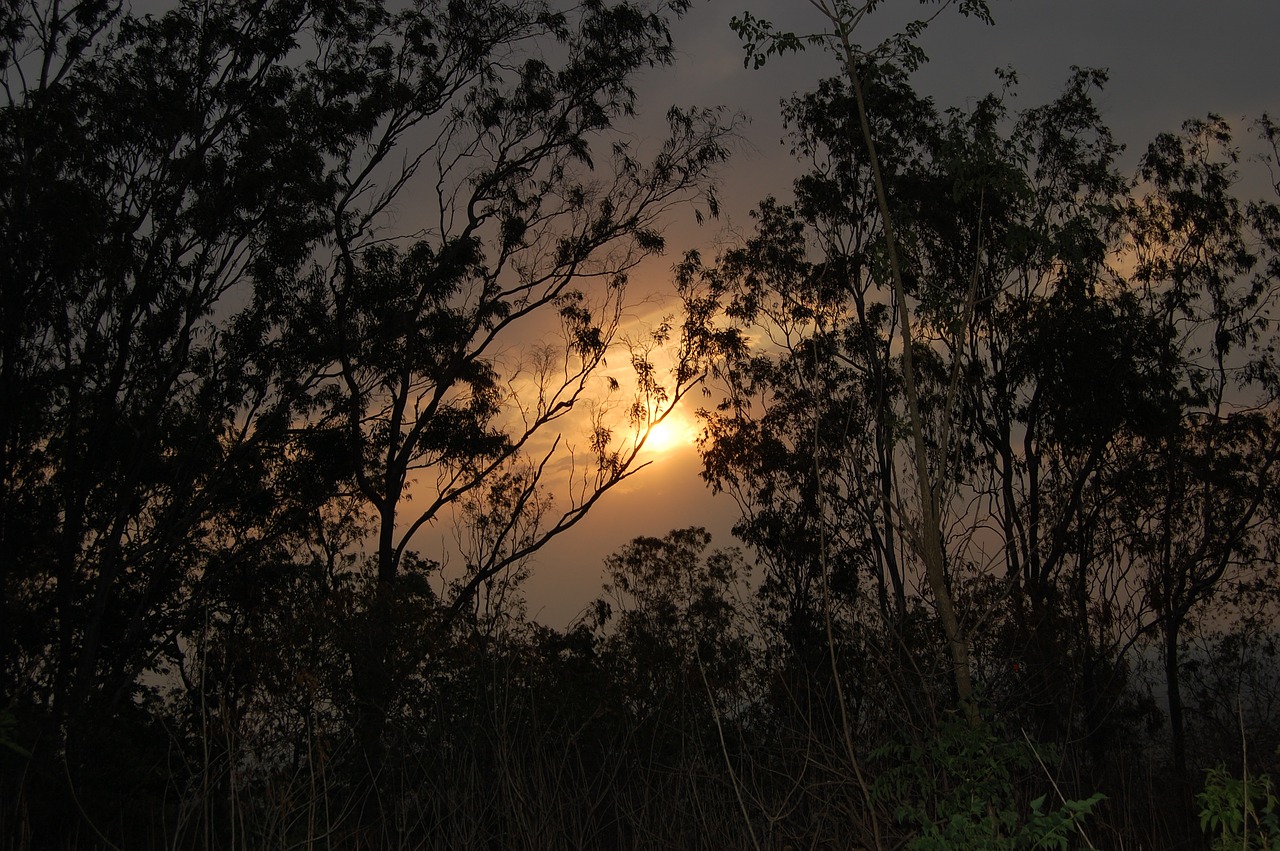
(1169, 60)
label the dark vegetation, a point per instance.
(1010, 583)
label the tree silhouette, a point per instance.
(218, 355)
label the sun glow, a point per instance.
(673, 433)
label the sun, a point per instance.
(674, 432)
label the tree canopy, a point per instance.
(287, 284)
(227, 356)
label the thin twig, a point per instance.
(1054, 783)
(724, 750)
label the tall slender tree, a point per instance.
(843, 18)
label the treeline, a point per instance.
(1002, 424)
(1001, 421)
(284, 283)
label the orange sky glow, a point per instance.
(1192, 59)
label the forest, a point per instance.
(286, 283)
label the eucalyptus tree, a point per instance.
(1001, 218)
(676, 645)
(217, 352)
(844, 17)
(1201, 500)
(162, 176)
(675, 624)
(1093, 371)
(806, 438)
(522, 237)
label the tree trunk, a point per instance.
(930, 531)
(1177, 727)
(1181, 805)
(371, 670)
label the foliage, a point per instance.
(960, 789)
(761, 40)
(673, 619)
(240, 374)
(1091, 427)
(224, 367)
(1068, 369)
(8, 728)
(1241, 812)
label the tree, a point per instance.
(212, 340)
(146, 163)
(844, 17)
(677, 643)
(678, 623)
(1093, 373)
(992, 215)
(413, 381)
(1202, 509)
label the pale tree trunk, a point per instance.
(929, 537)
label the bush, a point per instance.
(960, 788)
(1243, 812)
